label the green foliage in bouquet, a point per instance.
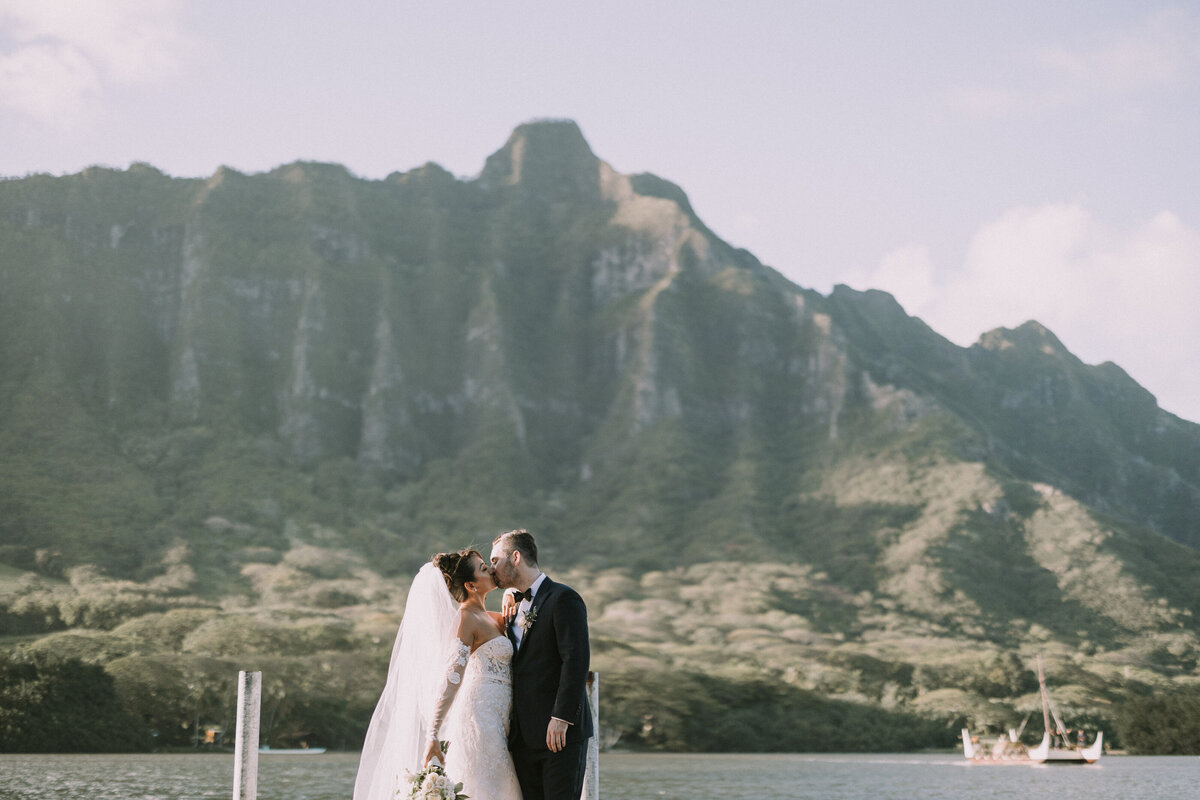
(432, 783)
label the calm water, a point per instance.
(625, 777)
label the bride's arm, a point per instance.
(456, 665)
(508, 607)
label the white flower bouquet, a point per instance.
(432, 783)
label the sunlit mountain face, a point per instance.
(237, 413)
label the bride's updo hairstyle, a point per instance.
(456, 569)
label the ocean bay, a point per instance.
(623, 777)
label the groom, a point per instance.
(551, 718)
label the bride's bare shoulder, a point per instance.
(472, 620)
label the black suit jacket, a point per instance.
(550, 670)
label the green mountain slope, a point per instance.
(236, 414)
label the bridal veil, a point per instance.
(396, 738)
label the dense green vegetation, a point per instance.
(687, 711)
(688, 659)
(237, 414)
(51, 706)
(1164, 724)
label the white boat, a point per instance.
(1046, 753)
(290, 751)
(1055, 748)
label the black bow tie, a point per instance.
(525, 595)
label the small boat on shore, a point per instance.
(267, 750)
(1056, 746)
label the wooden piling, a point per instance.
(591, 775)
(245, 766)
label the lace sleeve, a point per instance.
(456, 665)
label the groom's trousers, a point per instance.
(551, 776)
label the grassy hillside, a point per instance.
(237, 414)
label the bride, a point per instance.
(450, 680)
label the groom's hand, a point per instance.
(556, 734)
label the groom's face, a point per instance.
(503, 567)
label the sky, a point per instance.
(987, 163)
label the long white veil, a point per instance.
(395, 740)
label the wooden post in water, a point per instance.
(245, 767)
(591, 775)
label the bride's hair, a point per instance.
(456, 569)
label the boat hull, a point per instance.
(1045, 754)
(1042, 754)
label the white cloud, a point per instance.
(1128, 297)
(1156, 53)
(58, 55)
(911, 268)
(1161, 51)
(44, 81)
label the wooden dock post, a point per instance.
(245, 766)
(591, 775)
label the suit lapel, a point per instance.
(508, 631)
(544, 592)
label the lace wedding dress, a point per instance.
(478, 724)
(420, 682)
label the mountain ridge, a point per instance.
(276, 394)
(645, 240)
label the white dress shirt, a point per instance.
(525, 605)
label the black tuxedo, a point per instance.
(550, 680)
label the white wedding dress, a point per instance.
(478, 724)
(426, 658)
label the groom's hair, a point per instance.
(522, 542)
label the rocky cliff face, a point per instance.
(551, 342)
(1041, 414)
(237, 413)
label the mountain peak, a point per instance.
(549, 157)
(649, 185)
(1031, 335)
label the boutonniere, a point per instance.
(527, 619)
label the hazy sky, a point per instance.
(986, 162)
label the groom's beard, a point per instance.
(506, 577)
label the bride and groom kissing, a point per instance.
(506, 690)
